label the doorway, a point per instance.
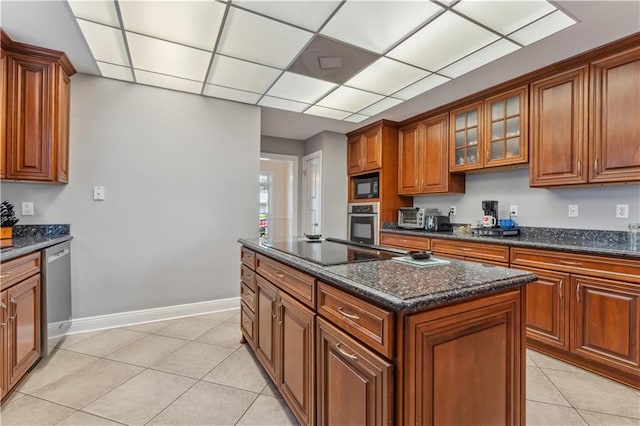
(278, 195)
(312, 193)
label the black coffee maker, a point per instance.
(490, 209)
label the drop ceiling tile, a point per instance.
(270, 101)
(386, 76)
(444, 40)
(377, 26)
(159, 56)
(242, 75)
(306, 14)
(380, 106)
(356, 118)
(102, 11)
(258, 39)
(546, 26)
(194, 23)
(231, 94)
(106, 43)
(115, 71)
(167, 82)
(504, 16)
(349, 99)
(327, 112)
(421, 86)
(482, 57)
(300, 88)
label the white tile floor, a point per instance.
(194, 371)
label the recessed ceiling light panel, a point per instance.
(242, 75)
(115, 71)
(159, 56)
(300, 88)
(103, 12)
(383, 105)
(349, 99)
(194, 23)
(424, 85)
(327, 112)
(306, 14)
(377, 26)
(386, 76)
(482, 57)
(231, 94)
(167, 82)
(106, 43)
(258, 39)
(444, 40)
(504, 16)
(546, 26)
(270, 101)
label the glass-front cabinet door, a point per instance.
(466, 138)
(506, 128)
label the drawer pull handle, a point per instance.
(347, 354)
(570, 263)
(578, 293)
(348, 315)
(12, 300)
(279, 274)
(274, 315)
(3, 306)
(560, 292)
(466, 249)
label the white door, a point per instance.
(312, 193)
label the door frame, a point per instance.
(313, 155)
(293, 194)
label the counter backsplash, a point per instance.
(20, 231)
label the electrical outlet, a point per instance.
(573, 210)
(452, 210)
(98, 193)
(622, 211)
(27, 208)
(513, 210)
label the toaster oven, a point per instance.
(411, 218)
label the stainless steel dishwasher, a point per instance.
(56, 295)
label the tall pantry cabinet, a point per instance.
(35, 113)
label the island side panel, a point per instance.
(464, 363)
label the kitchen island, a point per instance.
(382, 342)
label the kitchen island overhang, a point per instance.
(429, 328)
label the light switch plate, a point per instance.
(27, 208)
(98, 193)
(622, 211)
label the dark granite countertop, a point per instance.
(594, 242)
(30, 238)
(403, 287)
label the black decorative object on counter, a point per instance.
(7, 215)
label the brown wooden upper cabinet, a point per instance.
(36, 106)
(365, 151)
(583, 136)
(423, 164)
(491, 133)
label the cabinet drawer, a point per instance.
(296, 283)
(248, 257)
(482, 251)
(409, 242)
(369, 323)
(247, 323)
(16, 270)
(596, 266)
(248, 296)
(248, 277)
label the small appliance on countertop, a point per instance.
(411, 217)
(496, 232)
(490, 214)
(437, 223)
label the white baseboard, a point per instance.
(122, 319)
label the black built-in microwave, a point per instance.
(366, 186)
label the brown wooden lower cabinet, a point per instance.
(465, 362)
(20, 311)
(354, 384)
(285, 346)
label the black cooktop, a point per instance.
(330, 252)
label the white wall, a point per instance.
(181, 179)
(334, 181)
(537, 206)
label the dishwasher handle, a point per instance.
(58, 255)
